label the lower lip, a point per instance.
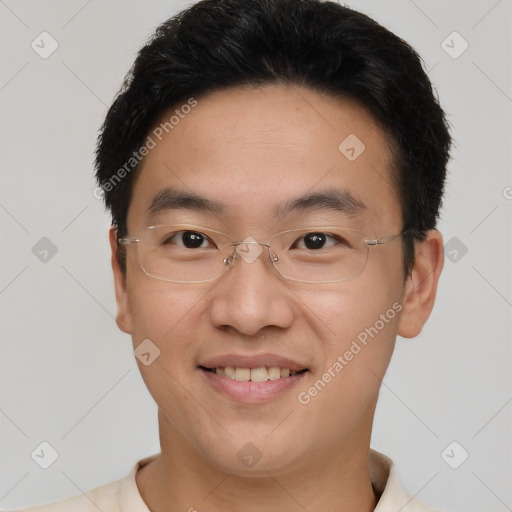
(249, 392)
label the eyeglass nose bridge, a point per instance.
(249, 250)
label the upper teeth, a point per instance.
(261, 374)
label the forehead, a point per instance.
(255, 150)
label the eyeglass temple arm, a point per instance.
(386, 239)
(126, 241)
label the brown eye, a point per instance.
(314, 240)
(187, 239)
(192, 239)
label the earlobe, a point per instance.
(421, 286)
(123, 316)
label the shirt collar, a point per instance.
(390, 494)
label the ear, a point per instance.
(123, 317)
(421, 285)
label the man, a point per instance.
(274, 170)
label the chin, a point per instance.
(251, 456)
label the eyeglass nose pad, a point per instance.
(249, 249)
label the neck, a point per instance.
(181, 479)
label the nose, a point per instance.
(251, 296)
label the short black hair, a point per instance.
(322, 45)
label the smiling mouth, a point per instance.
(260, 374)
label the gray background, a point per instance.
(68, 375)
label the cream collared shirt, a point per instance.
(123, 495)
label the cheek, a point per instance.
(341, 313)
(174, 318)
(357, 350)
(357, 323)
(165, 312)
(168, 315)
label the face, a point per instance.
(252, 152)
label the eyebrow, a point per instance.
(172, 199)
(331, 199)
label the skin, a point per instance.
(252, 149)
